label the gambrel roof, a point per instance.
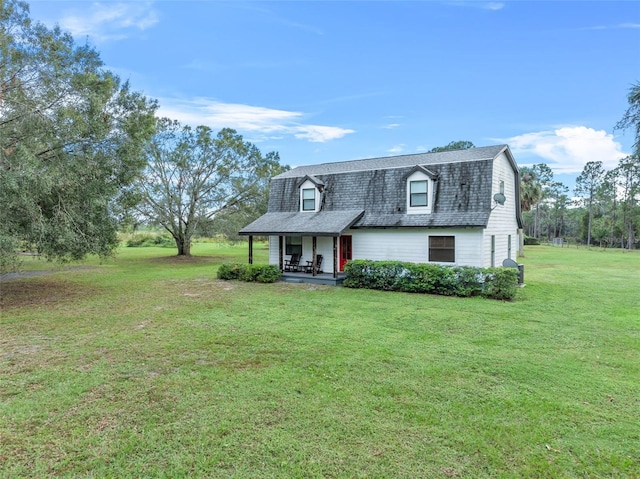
(382, 163)
(371, 193)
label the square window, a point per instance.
(293, 245)
(308, 199)
(418, 193)
(442, 249)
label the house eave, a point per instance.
(322, 223)
(416, 227)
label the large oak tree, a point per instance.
(71, 138)
(192, 176)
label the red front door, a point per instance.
(345, 250)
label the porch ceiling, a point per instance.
(323, 223)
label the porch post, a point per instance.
(250, 249)
(314, 242)
(335, 257)
(280, 250)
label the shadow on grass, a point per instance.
(42, 292)
(187, 259)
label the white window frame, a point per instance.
(425, 193)
(306, 199)
(420, 210)
(309, 185)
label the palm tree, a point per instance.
(530, 189)
(530, 195)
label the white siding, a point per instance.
(502, 221)
(273, 250)
(324, 246)
(412, 245)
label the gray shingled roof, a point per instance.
(471, 154)
(323, 223)
(372, 194)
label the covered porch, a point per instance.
(327, 279)
(318, 242)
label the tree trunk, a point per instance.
(184, 246)
(589, 226)
(631, 242)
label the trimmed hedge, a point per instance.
(260, 273)
(465, 281)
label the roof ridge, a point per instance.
(396, 161)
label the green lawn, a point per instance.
(148, 366)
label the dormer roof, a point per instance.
(317, 182)
(421, 169)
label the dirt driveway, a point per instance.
(43, 272)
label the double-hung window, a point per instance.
(308, 199)
(420, 187)
(418, 193)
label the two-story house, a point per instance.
(457, 207)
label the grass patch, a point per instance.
(148, 365)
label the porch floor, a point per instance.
(320, 278)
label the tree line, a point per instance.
(604, 209)
(82, 154)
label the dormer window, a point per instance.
(308, 199)
(418, 193)
(310, 189)
(420, 184)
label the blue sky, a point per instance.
(333, 80)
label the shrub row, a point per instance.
(496, 283)
(141, 240)
(261, 273)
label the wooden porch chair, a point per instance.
(309, 267)
(292, 264)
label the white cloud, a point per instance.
(112, 21)
(391, 126)
(396, 150)
(494, 6)
(620, 26)
(567, 149)
(248, 118)
(320, 134)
